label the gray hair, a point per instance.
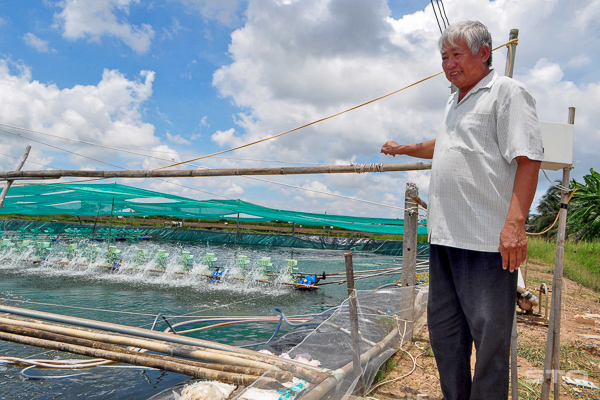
(474, 33)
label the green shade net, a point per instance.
(93, 199)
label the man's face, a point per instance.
(463, 68)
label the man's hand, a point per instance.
(390, 148)
(419, 150)
(513, 241)
(513, 246)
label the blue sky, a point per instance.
(175, 79)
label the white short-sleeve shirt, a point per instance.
(474, 164)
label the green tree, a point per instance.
(584, 219)
(547, 210)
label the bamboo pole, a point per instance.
(9, 182)
(161, 347)
(353, 314)
(61, 337)
(409, 257)
(99, 350)
(330, 169)
(514, 376)
(304, 371)
(552, 360)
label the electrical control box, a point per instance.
(558, 145)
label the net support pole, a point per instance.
(514, 373)
(353, 312)
(17, 168)
(112, 208)
(237, 228)
(409, 258)
(552, 360)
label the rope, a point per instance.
(555, 220)
(319, 120)
(327, 193)
(362, 168)
(561, 187)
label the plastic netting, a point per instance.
(94, 199)
(388, 247)
(387, 317)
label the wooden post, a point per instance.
(512, 49)
(514, 372)
(409, 258)
(112, 208)
(237, 228)
(508, 71)
(17, 168)
(552, 361)
(354, 335)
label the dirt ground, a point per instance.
(416, 374)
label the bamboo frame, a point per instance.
(9, 182)
(328, 169)
(157, 346)
(552, 356)
(95, 349)
(302, 370)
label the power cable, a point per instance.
(436, 17)
(441, 16)
(198, 166)
(125, 149)
(58, 148)
(444, 9)
(31, 162)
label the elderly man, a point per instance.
(486, 160)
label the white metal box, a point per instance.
(558, 145)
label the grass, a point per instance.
(573, 357)
(581, 259)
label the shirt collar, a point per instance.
(485, 83)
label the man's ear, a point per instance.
(484, 52)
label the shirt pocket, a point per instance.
(472, 134)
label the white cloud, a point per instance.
(108, 113)
(38, 44)
(224, 11)
(294, 62)
(161, 155)
(233, 190)
(582, 60)
(317, 190)
(97, 18)
(178, 139)
(226, 138)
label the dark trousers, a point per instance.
(471, 300)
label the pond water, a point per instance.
(135, 293)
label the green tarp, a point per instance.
(93, 199)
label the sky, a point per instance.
(141, 84)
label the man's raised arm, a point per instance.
(418, 150)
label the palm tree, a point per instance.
(547, 210)
(585, 218)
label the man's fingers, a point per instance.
(513, 257)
